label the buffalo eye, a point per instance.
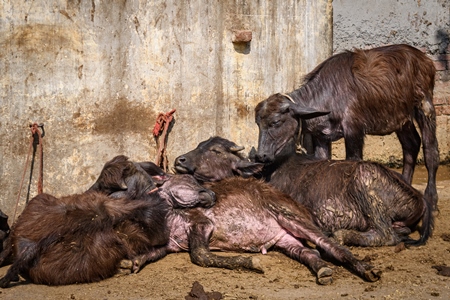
(216, 151)
(275, 123)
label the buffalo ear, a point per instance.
(248, 169)
(252, 154)
(151, 168)
(116, 185)
(160, 179)
(305, 113)
(122, 184)
(157, 174)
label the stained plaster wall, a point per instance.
(97, 73)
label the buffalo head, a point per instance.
(215, 159)
(278, 118)
(121, 177)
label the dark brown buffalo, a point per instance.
(4, 229)
(84, 237)
(376, 92)
(358, 203)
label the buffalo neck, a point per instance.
(280, 158)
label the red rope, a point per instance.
(160, 130)
(35, 138)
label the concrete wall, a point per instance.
(423, 24)
(97, 73)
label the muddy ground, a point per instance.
(408, 274)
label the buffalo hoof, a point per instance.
(4, 283)
(122, 272)
(138, 263)
(126, 264)
(324, 276)
(256, 265)
(372, 275)
(125, 267)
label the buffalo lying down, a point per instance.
(250, 215)
(84, 237)
(377, 92)
(358, 203)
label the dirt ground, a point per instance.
(408, 274)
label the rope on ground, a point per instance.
(160, 130)
(35, 140)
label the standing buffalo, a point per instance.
(84, 237)
(376, 92)
(358, 203)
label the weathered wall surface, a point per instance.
(97, 73)
(423, 24)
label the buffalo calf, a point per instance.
(252, 216)
(358, 203)
(84, 237)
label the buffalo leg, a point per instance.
(202, 256)
(26, 255)
(354, 145)
(154, 255)
(322, 148)
(410, 140)
(135, 264)
(303, 228)
(427, 124)
(309, 257)
(369, 238)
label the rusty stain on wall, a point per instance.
(242, 110)
(38, 38)
(125, 117)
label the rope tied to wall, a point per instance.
(35, 141)
(160, 130)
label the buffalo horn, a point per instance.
(237, 148)
(289, 97)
